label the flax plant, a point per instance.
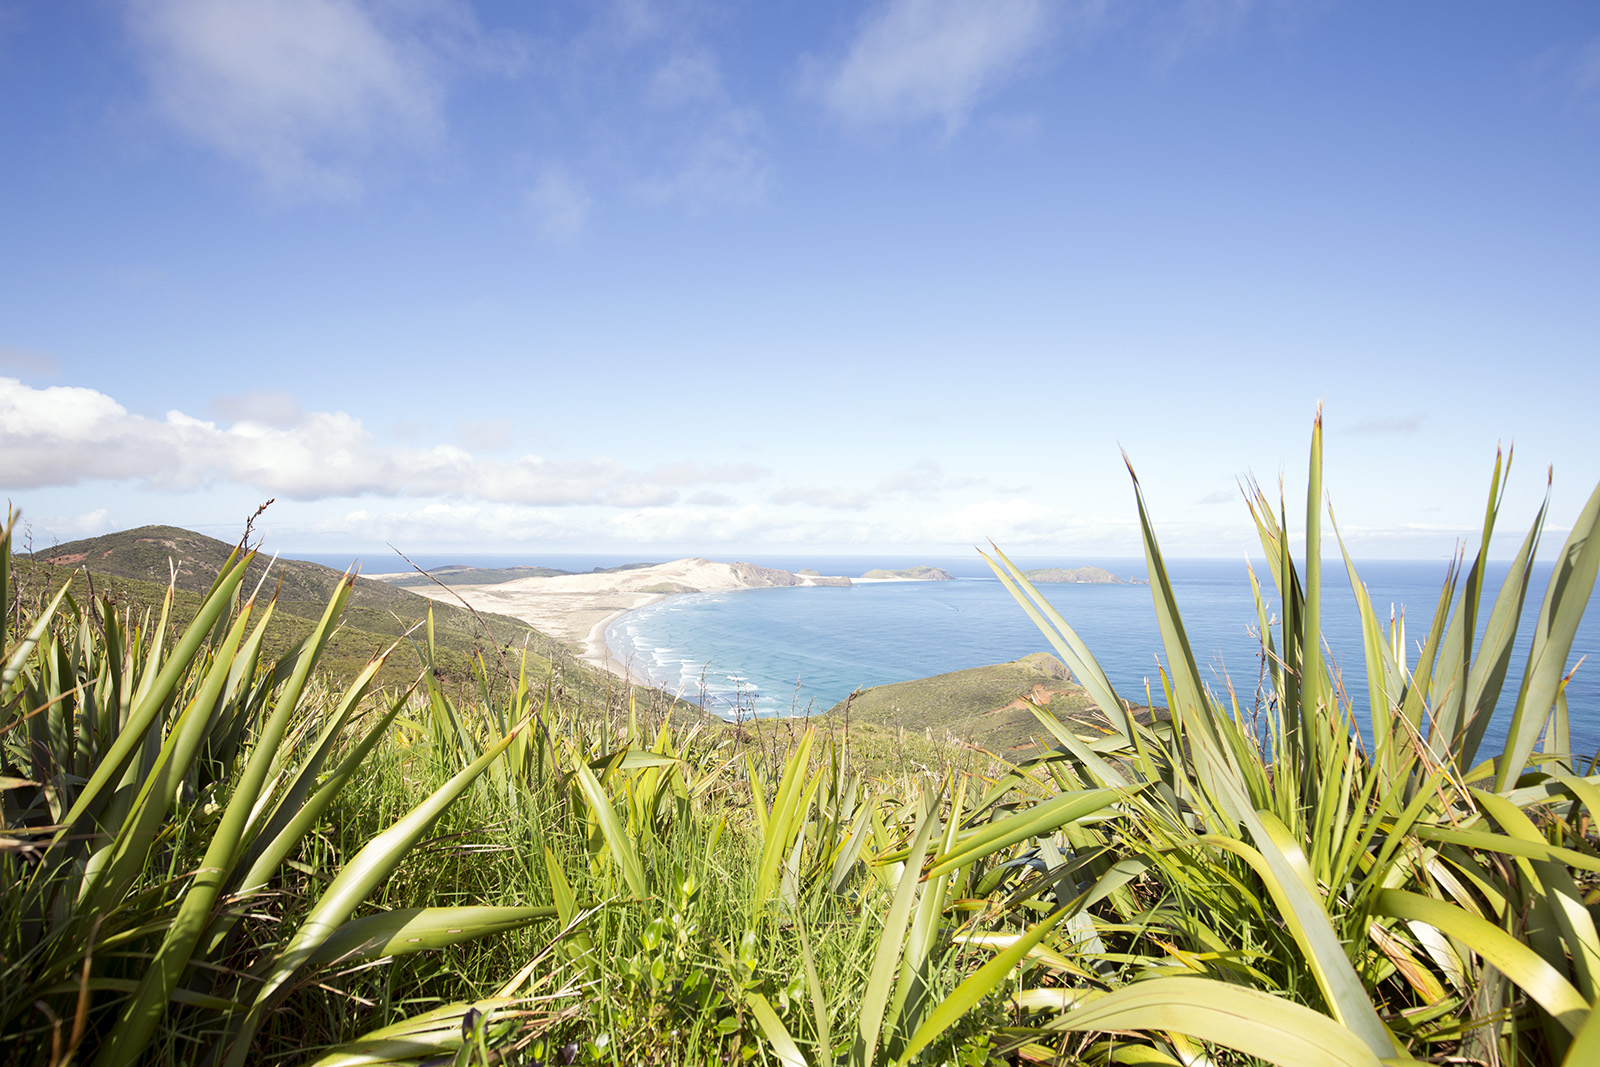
(1308, 899)
(155, 798)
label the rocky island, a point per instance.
(1084, 575)
(909, 574)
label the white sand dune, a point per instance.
(575, 609)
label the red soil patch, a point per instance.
(1039, 694)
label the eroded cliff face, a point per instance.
(755, 577)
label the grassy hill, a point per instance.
(134, 567)
(981, 706)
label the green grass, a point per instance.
(214, 854)
(988, 707)
(125, 566)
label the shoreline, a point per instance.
(597, 653)
(576, 610)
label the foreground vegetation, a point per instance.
(213, 856)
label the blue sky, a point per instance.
(897, 277)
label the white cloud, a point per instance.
(559, 204)
(485, 434)
(438, 523)
(919, 60)
(699, 474)
(644, 96)
(300, 91)
(68, 435)
(73, 527)
(748, 524)
(1018, 522)
(923, 478)
(822, 496)
(640, 495)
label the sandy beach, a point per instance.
(598, 653)
(576, 609)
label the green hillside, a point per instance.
(134, 568)
(981, 706)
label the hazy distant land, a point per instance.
(909, 574)
(1085, 575)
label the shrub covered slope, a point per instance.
(213, 855)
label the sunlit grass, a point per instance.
(215, 856)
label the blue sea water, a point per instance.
(793, 650)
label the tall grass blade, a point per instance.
(981, 983)
(891, 939)
(1074, 653)
(1565, 600)
(1218, 773)
(1040, 819)
(621, 846)
(405, 930)
(1531, 973)
(1315, 696)
(779, 831)
(1248, 1020)
(364, 871)
(783, 1045)
(149, 700)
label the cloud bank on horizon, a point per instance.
(673, 273)
(65, 437)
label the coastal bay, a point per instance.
(577, 609)
(746, 639)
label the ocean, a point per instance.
(790, 651)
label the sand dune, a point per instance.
(575, 609)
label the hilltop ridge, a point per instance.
(134, 567)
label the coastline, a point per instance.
(597, 653)
(577, 609)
